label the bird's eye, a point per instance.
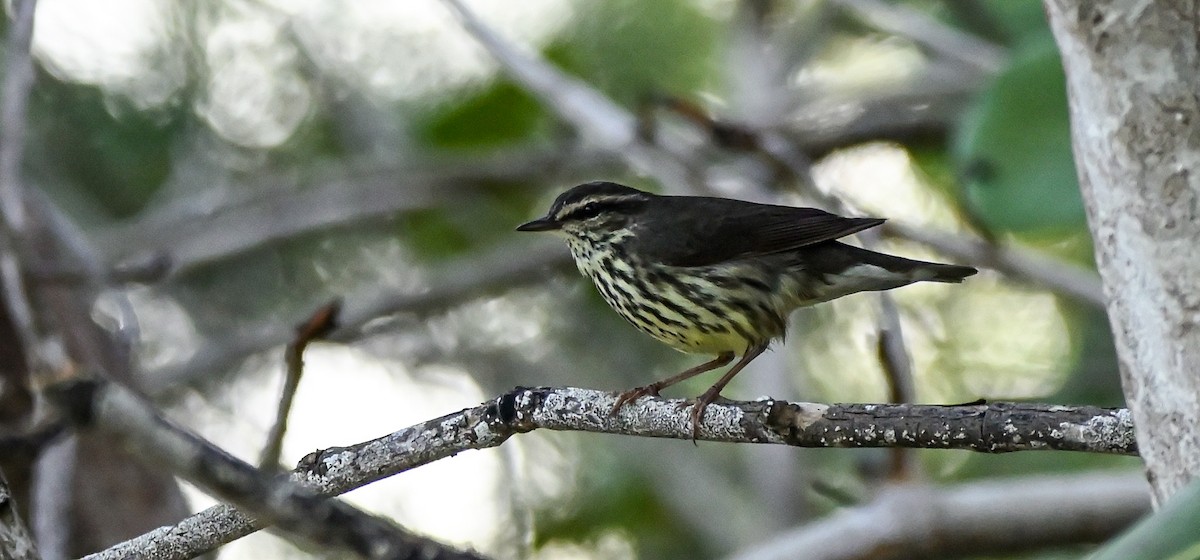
(586, 212)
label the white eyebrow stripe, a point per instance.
(605, 199)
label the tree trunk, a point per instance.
(1133, 77)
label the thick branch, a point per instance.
(989, 428)
(998, 516)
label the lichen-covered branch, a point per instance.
(989, 428)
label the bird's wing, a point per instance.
(696, 231)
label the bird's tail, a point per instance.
(949, 273)
(917, 271)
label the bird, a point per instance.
(718, 276)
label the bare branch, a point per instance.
(997, 516)
(114, 410)
(987, 428)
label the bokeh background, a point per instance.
(268, 156)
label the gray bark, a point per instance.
(1133, 73)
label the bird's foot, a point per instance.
(631, 395)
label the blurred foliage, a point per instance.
(110, 152)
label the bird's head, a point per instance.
(593, 210)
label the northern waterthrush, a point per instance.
(717, 275)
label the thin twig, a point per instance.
(987, 428)
(319, 325)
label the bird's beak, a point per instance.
(540, 224)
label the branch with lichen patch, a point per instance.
(988, 428)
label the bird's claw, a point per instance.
(633, 395)
(697, 415)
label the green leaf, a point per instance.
(1169, 534)
(497, 115)
(1013, 150)
(1019, 21)
(630, 48)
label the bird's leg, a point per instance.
(654, 388)
(714, 392)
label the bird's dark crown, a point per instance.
(598, 198)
